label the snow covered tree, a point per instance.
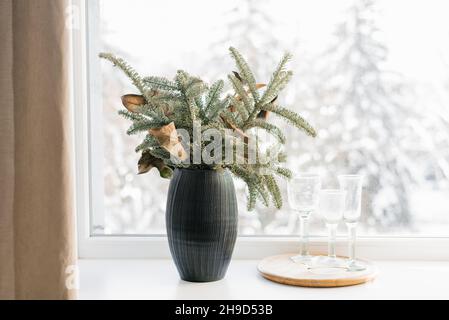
(368, 119)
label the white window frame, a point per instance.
(87, 102)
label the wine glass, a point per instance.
(303, 191)
(352, 184)
(331, 206)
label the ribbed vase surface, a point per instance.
(201, 221)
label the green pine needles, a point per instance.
(170, 112)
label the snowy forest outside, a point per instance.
(371, 75)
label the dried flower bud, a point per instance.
(132, 102)
(169, 140)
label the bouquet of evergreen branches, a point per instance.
(170, 112)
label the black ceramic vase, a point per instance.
(201, 223)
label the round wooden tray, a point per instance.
(283, 270)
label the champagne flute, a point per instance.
(352, 184)
(303, 191)
(331, 206)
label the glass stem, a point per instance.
(304, 234)
(352, 231)
(332, 253)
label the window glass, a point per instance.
(372, 76)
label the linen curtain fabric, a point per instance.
(37, 223)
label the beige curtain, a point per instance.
(36, 213)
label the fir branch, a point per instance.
(278, 72)
(193, 111)
(161, 153)
(263, 193)
(152, 113)
(274, 190)
(148, 143)
(278, 84)
(284, 172)
(181, 80)
(282, 157)
(245, 72)
(186, 85)
(129, 72)
(292, 117)
(214, 93)
(168, 96)
(211, 126)
(231, 118)
(180, 119)
(131, 115)
(252, 195)
(216, 109)
(145, 125)
(239, 106)
(251, 181)
(199, 101)
(270, 128)
(195, 87)
(160, 83)
(240, 90)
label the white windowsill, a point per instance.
(158, 279)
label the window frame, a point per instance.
(89, 182)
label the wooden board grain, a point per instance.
(283, 270)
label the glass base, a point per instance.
(355, 265)
(328, 271)
(304, 259)
(328, 262)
